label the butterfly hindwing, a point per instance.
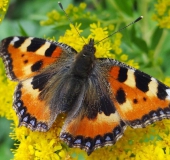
(96, 123)
(90, 134)
(32, 112)
(25, 57)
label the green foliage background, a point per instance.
(144, 42)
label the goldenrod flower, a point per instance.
(162, 15)
(54, 16)
(167, 81)
(3, 8)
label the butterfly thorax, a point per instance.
(84, 62)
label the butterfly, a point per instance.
(100, 96)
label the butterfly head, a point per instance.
(89, 49)
(85, 60)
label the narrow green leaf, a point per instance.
(22, 30)
(139, 42)
(125, 6)
(156, 37)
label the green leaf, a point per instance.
(139, 42)
(156, 37)
(125, 6)
(154, 71)
(5, 142)
(22, 30)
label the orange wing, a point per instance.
(32, 112)
(90, 134)
(139, 99)
(25, 57)
(117, 96)
(94, 121)
(33, 61)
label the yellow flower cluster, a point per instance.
(39, 145)
(162, 15)
(55, 16)
(5, 99)
(148, 143)
(167, 81)
(3, 8)
(107, 48)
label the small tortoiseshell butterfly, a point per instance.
(100, 96)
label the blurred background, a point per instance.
(146, 42)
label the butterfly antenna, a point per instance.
(138, 19)
(61, 6)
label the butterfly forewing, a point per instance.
(139, 98)
(25, 57)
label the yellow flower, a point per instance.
(83, 6)
(3, 8)
(132, 63)
(167, 81)
(96, 29)
(4, 4)
(72, 37)
(162, 15)
(54, 16)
